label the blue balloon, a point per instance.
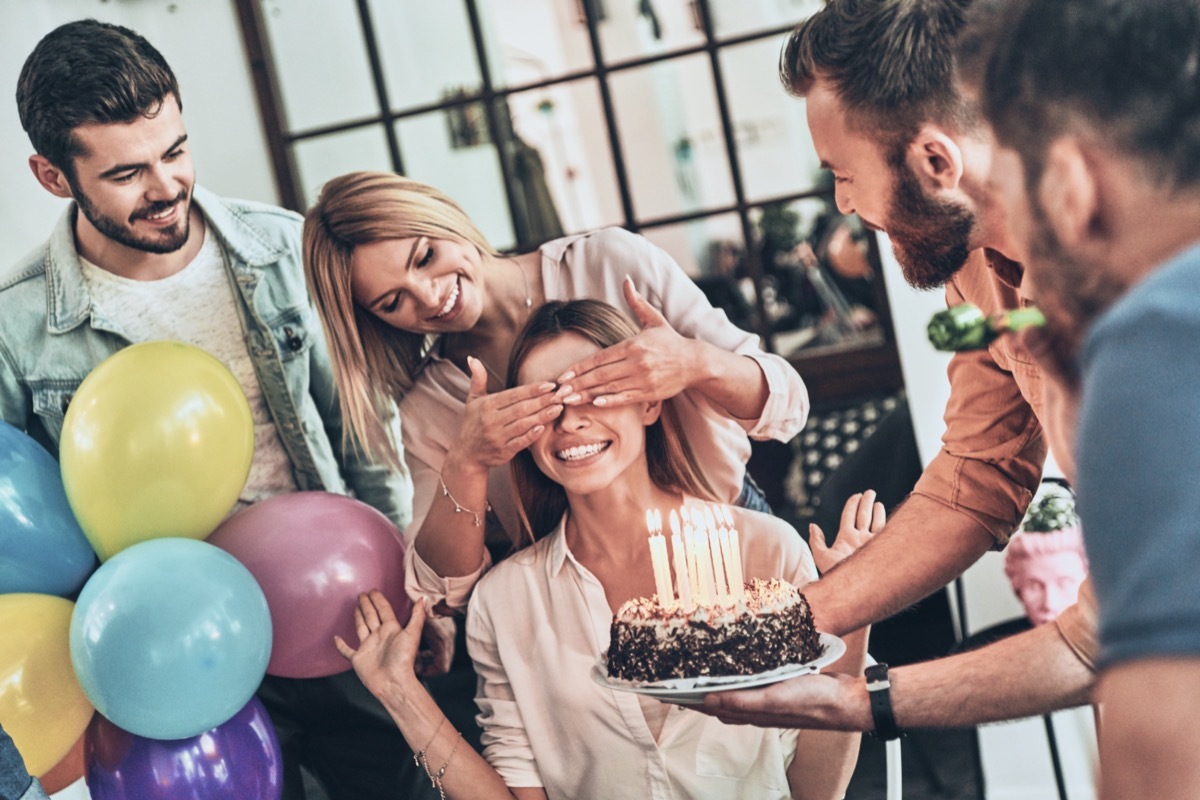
(42, 549)
(170, 637)
(238, 760)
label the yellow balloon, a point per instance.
(157, 441)
(42, 706)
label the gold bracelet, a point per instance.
(436, 778)
(475, 517)
(419, 757)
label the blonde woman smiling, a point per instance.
(419, 310)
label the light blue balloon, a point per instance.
(42, 549)
(170, 637)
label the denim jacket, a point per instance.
(50, 340)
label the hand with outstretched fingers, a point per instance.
(862, 517)
(386, 652)
(495, 427)
(656, 364)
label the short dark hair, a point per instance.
(1127, 73)
(87, 72)
(891, 62)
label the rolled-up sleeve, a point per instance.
(993, 450)
(666, 286)
(422, 581)
(1078, 625)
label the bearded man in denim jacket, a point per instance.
(143, 254)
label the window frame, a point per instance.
(832, 374)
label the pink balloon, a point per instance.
(312, 553)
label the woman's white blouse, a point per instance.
(536, 625)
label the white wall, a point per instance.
(201, 41)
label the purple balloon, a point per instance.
(237, 760)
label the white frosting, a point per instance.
(762, 597)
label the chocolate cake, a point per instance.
(769, 628)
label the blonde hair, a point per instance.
(374, 363)
(670, 460)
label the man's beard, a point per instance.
(1070, 292)
(931, 237)
(167, 240)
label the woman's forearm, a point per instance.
(825, 760)
(823, 764)
(464, 774)
(734, 383)
(451, 537)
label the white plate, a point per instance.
(691, 691)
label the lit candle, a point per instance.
(683, 579)
(689, 541)
(718, 558)
(718, 562)
(658, 559)
(707, 593)
(736, 578)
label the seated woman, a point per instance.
(539, 621)
(420, 310)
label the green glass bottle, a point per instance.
(964, 327)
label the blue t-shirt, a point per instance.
(1139, 464)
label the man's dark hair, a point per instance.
(1125, 73)
(88, 72)
(891, 62)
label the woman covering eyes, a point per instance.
(540, 619)
(419, 310)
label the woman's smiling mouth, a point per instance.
(580, 452)
(451, 301)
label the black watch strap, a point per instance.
(879, 690)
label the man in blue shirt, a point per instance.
(1096, 104)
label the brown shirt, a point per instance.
(993, 449)
(1077, 624)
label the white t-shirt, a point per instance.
(196, 306)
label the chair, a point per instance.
(992, 634)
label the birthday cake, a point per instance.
(768, 627)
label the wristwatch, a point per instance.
(879, 690)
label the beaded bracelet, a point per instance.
(475, 516)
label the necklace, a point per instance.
(525, 280)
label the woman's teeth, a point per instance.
(450, 301)
(581, 451)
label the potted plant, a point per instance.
(1045, 560)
